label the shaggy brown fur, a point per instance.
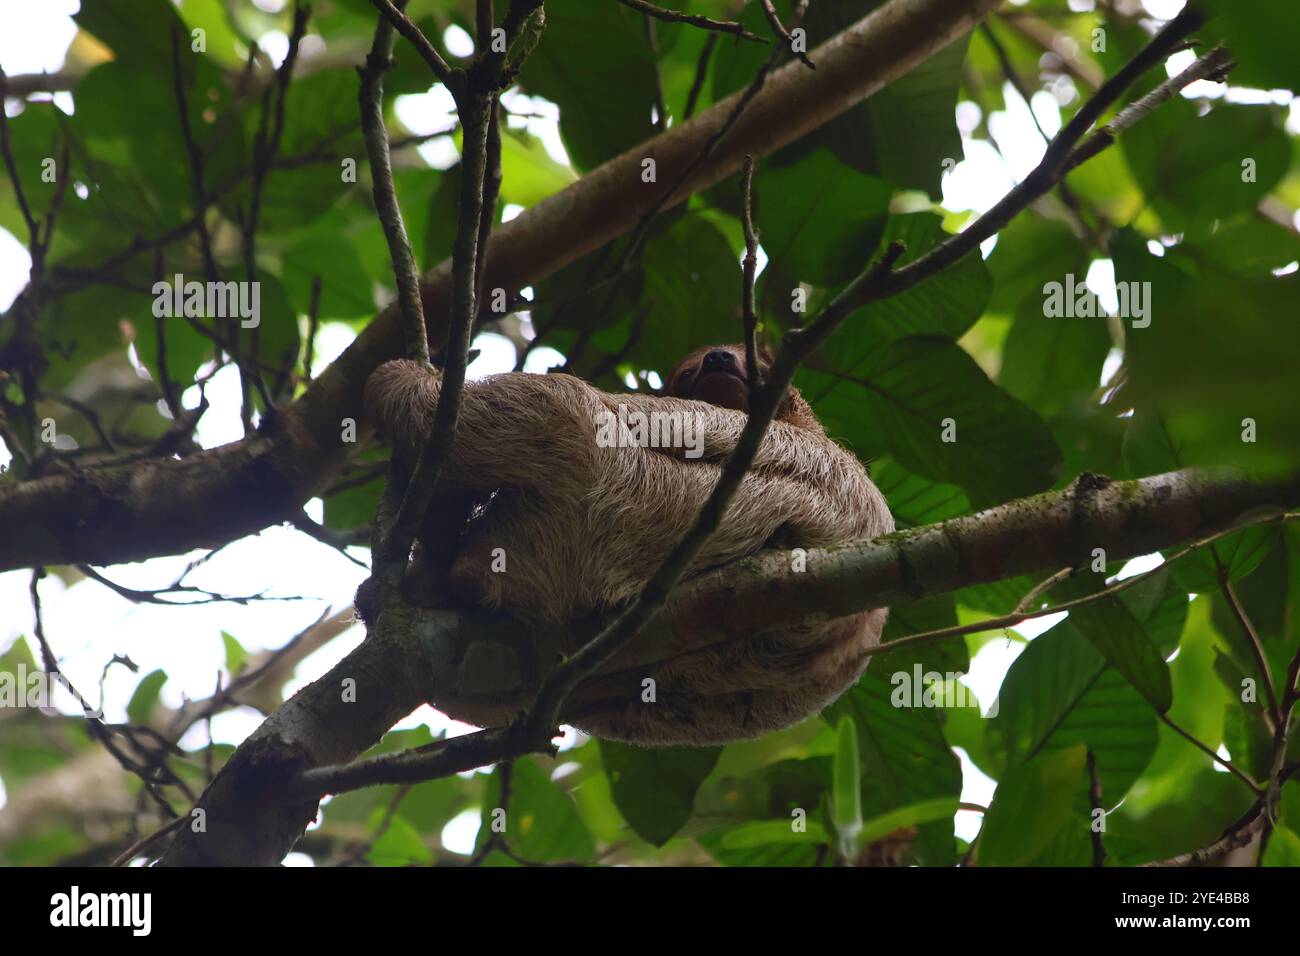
(583, 527)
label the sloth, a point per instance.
(575, 507)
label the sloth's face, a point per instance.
(716, 374)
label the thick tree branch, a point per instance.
(412, 656)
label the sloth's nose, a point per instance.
(718, 360)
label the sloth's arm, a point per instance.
(788, 450)
(514, 429)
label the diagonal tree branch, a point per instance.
(736, 602)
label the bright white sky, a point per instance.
(87, 623)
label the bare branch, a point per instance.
(446, 75)
(774, 21)
(730, 27)
(405, 270)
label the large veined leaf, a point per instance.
(922, 390)
(1195, 168)
(1048, 362)
(685, 294)
(655, 788)
(1030, 252)
(915, 617)
(1241, 328)
(914, 500)
(818, 218)
(344, 286)
(1115, 631)
(1060, 693)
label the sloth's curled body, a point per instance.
(582, 528)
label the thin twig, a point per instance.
(1211, 753)
(774, 21)
(749, 268)
(405, 270)
(701, 74)
(449, 77)
(730, 27)
(1256, 646)
(1098, 811)
(1021, 615)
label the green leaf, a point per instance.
(1283, 848)
(818, 217)
(145, 697)
(1191, 167)
(655, 788)
(914, 500)
(686, 291)
(37, 136)
(781, 852)
(912, 130)
(1199, 701)
(344, 285)
(1051, 363)
(139, 32)
(83, 326)
(902, 133)
(542, 822)
(353, 507)
(1059, 693)
(915, 617)
(1112, 629)
(236, 656)
(529, 174)
(759, 833)
(1031, 252)
(946, 304)
(915, 814)
(399, 845)
(275, 337)
(595, 64)
(1205, 318)
(213, 18)
(1002, 450)
(965, 726)
(1032, 805)
(1263, 52)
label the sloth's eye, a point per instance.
(684, 379)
